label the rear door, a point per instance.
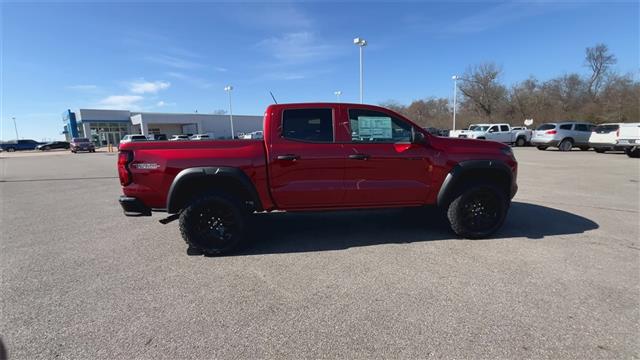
(582, 133)
(306, 165)
(383, 167)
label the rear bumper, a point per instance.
(134, 207)
(544, 142)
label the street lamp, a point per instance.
(15, 127)
(337, 94)
(455, 97)
(228, 89)
(361, 43)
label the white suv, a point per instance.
(605, 137)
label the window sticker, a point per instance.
(374, 127)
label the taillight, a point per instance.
(124, 159)
(551, 132)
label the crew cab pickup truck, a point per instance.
(503, 133)
(316, 157)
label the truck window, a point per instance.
(308, 125)
(374, 126)
(494, 128)
(504, 128)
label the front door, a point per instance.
(306, 164)
(383, 166)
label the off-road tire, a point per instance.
(208, 219)
(542, 147)
(521, 141)
(466, 217)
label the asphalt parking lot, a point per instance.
(560, 280)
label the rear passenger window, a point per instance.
(566, 127)
(308, 125)
(504, 128)
(583, 127)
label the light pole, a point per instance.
(337, 94)
(228, 89)
(455, 97)
(15, 127)
(361, 43)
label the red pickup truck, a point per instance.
(316, 156)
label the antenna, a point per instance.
(273, 97)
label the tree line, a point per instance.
(599, 95)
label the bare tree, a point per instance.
(599, 60)
(481, 87)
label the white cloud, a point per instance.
(121, 101)
(161, 103)
(220, 69)
(195, 81)
(298, 47)
(173, 61)
(143, 87)
(83, 87)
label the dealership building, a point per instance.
(106, 127)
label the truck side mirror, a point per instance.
(418, 137)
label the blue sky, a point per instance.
(173, 57)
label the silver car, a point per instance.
(563, 135)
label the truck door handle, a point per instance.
(288, 157)
(359, 156)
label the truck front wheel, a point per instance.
(213, 224)
(478, 211)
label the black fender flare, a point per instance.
(185, 176)
(457, 175)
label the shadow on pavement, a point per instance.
(307, 232)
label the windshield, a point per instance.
(546, 127)
(80, 140)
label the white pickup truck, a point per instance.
(629, 139)
(504, 133)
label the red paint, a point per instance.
(322, 176)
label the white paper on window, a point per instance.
(374, 127)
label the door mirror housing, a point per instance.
(417, 137)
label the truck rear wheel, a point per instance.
(213, 224)
(521, 141)
(478, 211)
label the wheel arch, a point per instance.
(466, 172)
(192, 181)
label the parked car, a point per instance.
(133, 137)
(17, 145)
(563, 135)
(253, 135)
(497, 132)
(156, 137)
(629, 139)
(179, 138)
(604, 137)
(53, 145)
(81, 144)
(317, 156)
(200, 137)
